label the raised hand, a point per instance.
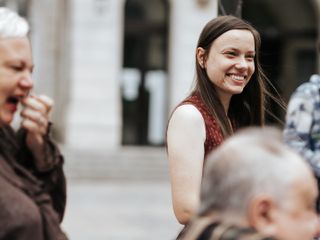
(36, 121)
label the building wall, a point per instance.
(77, 48)
(187, 20)
(96, 27)
(93, 115)
(49, 36)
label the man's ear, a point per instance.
(262, 215)
(201, 57)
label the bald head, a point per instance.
(252, 162)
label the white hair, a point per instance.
(254, 162)
(11, 24)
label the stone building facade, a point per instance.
(79, 56)
(116, 68)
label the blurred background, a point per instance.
(116, 69)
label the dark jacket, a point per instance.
(32, 201)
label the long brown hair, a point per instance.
(247, 108)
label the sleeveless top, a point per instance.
(214, 136)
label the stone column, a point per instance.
(188, 17)
(94, 112)
(49, 39)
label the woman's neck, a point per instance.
(225, 100)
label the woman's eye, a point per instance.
(250, 58)
(232, 54)
(17, 68)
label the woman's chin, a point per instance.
(6, 120)
(236, 90)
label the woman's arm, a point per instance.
(185, 142)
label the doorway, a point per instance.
(144, 73)
(288, 50)
(288, 33)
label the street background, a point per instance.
(116, 69)
(123, 195)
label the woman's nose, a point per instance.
(26, 81)
(242, 63)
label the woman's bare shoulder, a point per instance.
(186, 118)
(187, 112)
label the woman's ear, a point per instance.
(201, 57)
(262, 215)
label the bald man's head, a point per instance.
(254, 170)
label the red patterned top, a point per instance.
(214, 136)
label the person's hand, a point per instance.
(36, 121)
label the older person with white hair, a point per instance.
(254, 187)
(32, 182)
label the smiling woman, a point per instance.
(229, 94)
(230, 63)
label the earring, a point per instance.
(201, 64)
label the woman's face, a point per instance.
(15, 75)
(230, 61)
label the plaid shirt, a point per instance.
(302, 129)
(218, 231)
